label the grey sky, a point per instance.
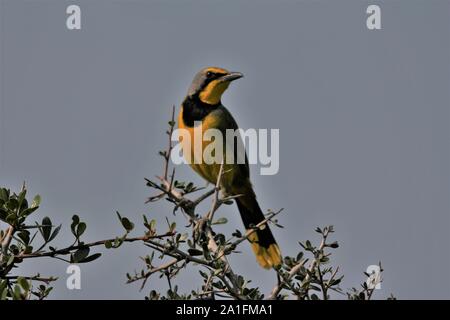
(363, 118)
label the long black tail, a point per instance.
(263, 243)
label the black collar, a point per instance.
(196, 110)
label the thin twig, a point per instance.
(69, 249)
(33, 278)
(169, 151)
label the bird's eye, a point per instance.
(209, 74)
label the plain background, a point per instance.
(363, 118)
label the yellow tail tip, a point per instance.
(267, 257)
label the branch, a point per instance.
(6, 241)
(294, 270)
(69, 249)
(32, 278)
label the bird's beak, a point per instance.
(231, 76)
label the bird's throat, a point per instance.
(195, 110)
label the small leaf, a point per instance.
(91, 258)
(119, 216)
(80, 229)
(10, 261)
(75, 219)
(80, 255)
(335, 282)
(108, 244)
(23, 283)
(24, 236)
(334, 245)
(75, 222)
(28, 211)
(237, 234)
(46, 228)
(21, 198)
(127, 224)
(4, 194)
(55, 233)
(12, 204)
(36, 201)
(17, 294)
(222, 220)
(11, 219)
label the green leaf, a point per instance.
(80, 255)
(3, 213)
(28, 211)
(222, 220)
(55, 233)
(12, 204)
(36, 201)
(108, 244)
(17, 293)
(10, 261)
(21, 197)
(75, 222)
(80, 229)
(3, 290)
(203, 274)
(75, 219)
(335, 282)
(11, 219)
(24, 236)
(4, 194)
(91, 258)
(334, 245)
(127, 224)
(118, 242)
(46, 228)
(119, 216)
(23, 283)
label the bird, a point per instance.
(202, 105)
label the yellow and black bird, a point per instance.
(203, 105)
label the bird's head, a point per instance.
(210, 83)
